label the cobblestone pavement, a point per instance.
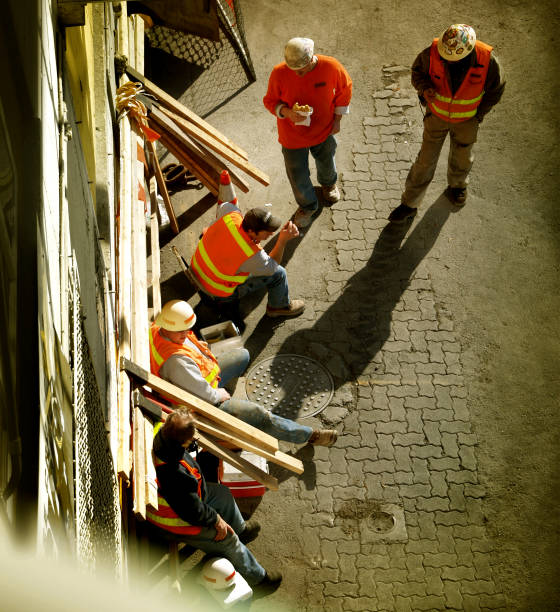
(407, 447)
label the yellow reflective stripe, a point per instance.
(452, 101)
(470, 113)
(170, 522)
(245, 247)
(209, 281)
(158, 358)
(157, 427)
(212, 375)
(210, 264)
(442, 98)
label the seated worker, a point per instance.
(199, 513)
(177, 356)
(229, 262)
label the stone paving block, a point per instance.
(432, 504)
(453, 596)
(422, 547)
(475, 512)
(427, 526)
(443, 398)
(332, 479)
(328, 235)
(477, 491)
(433, 602)
(425, 385)
(324, 500)
(420, 402)
(410, 588)
(415, 422)
(492, 602)
(388, 147)
(368, 432)
(432, 368)
(373, 486)
(432, 433)
(345, 261)
(471, 603)
(403, 461)
(348, 492)
(446, 539)
(348, 441)
(359, 604)
(385, 598)
(458, 391)
(405, 316)
(444, 464)
(434, 583)
(460, 409)
(392, 427)
(349, 245)
(385, 446)
(457, 498)
(436, 353)
(462, 476)
(449, 443)
(396, 407)
(478, 586)
(356, 474)
(451, 347)
(403, 478)
(415, 490)
(452, 517)
(455, 427)
(468, 458)
(418, 339)
(329, 554)
(314, 519)
(420, 469)
(482, 566)
(439, 484)
(381, 108)
(391, 494)
(402, 390)
(425, 451)
(408, 439)
(389, 194)
(359, 147)
(475, 533)
(340, 589)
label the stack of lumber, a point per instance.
(213, 425)
(195, 143)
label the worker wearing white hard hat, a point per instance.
(458, 80)
(178, 356)
(309, 93)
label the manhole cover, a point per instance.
(382, 522)
(290, 385)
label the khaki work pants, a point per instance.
(462, 138)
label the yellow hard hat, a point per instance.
(176, 315)
(456, 42)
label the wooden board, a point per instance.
(154, 244)
(207, 176)
(280, 458)
(175, 106)
(204, 153)
(151, 484)
(139, 464)
(211, 445)
(231, 423)
(207, 140)
(162, 187)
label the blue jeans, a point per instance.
(276, 285)
(297, 169)
(220, 498)
(234, 364)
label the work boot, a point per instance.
(268, 584)
(402, 213)
(302, 218)
(331, 194)
(250, 532)
(293, 309)
(323, 437)
(456, 195)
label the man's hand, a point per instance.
(222, 529)
(288, 231)
(429, 94)
(336, 124)
(292, 115)
(223, 395)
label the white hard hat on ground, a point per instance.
(176, 315)
(218, 573)
(299, 52)
(456, 42)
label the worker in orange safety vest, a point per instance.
(458, 78)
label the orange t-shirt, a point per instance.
(324, 88)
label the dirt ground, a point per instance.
(498, 258)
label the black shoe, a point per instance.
(457, 195)
(268, 584)
(402, 213)
(251, 531)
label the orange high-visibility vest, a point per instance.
(161, 349)
(223, 248)
(462, 105)
(165, 517)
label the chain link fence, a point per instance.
(98, 517)
(203, 73)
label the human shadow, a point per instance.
(347, 337)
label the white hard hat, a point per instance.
(456, 42)
(298, 52)
(176, 315)
(218, 573)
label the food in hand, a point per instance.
(302, 108)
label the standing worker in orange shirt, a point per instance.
(322, 84)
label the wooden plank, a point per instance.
(212, 143)
(203, 153)
(148, 407)
(139, 464)
(242, 429)
(286, 461)
(175, 106)
(205, 175)
(151, 485)
(163, 188)
(154, 244)
(241, 464)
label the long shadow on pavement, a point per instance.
(350, 333)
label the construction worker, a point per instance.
(200, 513)
(229, 261)
(319, 87)
(180, 358)
(458, 78)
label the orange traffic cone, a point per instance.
(226, 192)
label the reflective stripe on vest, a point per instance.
(166, 517)
(161, 349)
(464, 104)
(223, 248)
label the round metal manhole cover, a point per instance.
(290, 385)
(382, 522)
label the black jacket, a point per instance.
(179, 487)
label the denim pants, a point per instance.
(276, 284)
(297, 169)
(234, 364)
(219, 497)
(462, 137)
